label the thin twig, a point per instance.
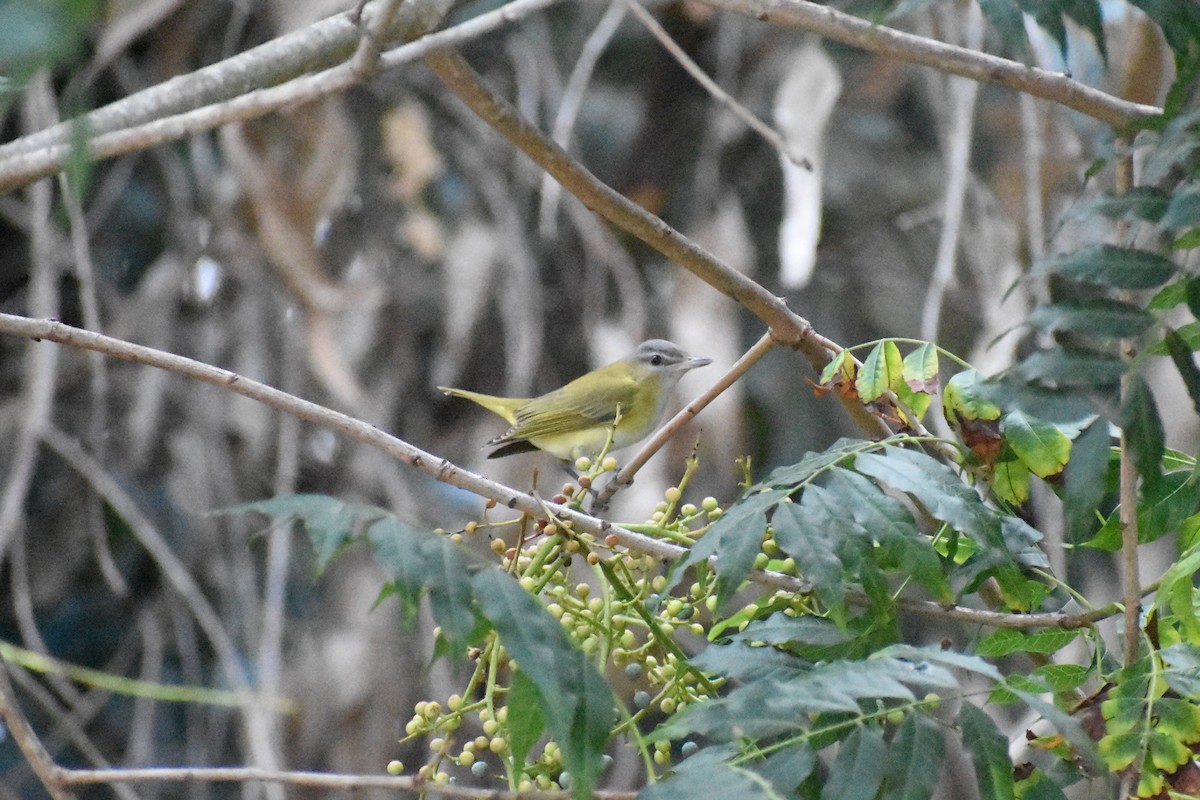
(28, 742)
(740, 368)
(963, 93)
(572, 101)
(366, 59)
(1127, 473)
(41, 368)
(45, 153)
(723, 97)
(443, 470)
(868, 35)
(325, 780)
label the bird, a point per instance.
(575, 420)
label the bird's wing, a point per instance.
(561, 412)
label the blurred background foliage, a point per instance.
(361, 250)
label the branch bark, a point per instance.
(951, 59)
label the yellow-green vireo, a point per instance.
(575, 420)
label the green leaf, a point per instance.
(1181, 356)
(1176, 593)
(576, 703)
(1188, 241)
(779, 629)
(1183, 210)
(915, 759)
(710, 777)
(840, 365)
(1143, 430)
(1177, 145)
(1183, 669)
(890, 524)
(416, 561)
(1039, 786)
(1007, 641)
(936, 486)
(1084, 479)
(1010, 481)
(1170, 295)
(1071, 368)
(921, 368)
(882, 371)
(858, 769)
(1121, 750)
(814, 464)
(802, 530)
(1139, 203)
(1189, 334)
(735, 539)
(1100, 317)
(963, 398)
(329, 522)
(1165, 505)
(525, 720)
(1063, 677)
(1006, 17)
(1179, 718)
(1041, 446)
(786, 768)
(989, 753)
(1111, 266)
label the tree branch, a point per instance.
(866, 35)
(443, 470)
(223, 93)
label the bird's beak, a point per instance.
(698, 361)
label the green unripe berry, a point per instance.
(415, 725)
(710, 504)
(667, 705)
(481, 743)
(441, 777)
(454, 702)
(658, 583)
(760, 561)
(628, 639)
(502, 715)
(433, 710)
(395, 767)
(596, 605)
(556, 610)
(609, 464)
(583, 464)
(437, 745)
(673, 494)
(498, 744)
(688, 510)
(662, 757)
(490, 727)
(583, 590)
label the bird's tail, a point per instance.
(505, 407)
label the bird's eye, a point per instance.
(656, 360)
